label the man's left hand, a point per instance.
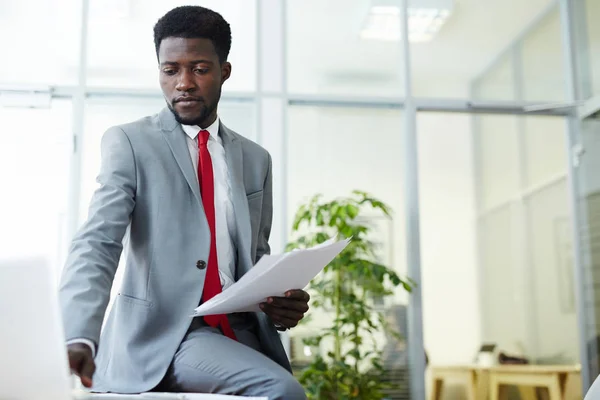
(287, 311)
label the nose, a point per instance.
(185, 82)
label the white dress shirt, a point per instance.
(224, 219)
(225, 224)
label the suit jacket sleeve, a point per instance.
(95, 251)
(264, 231)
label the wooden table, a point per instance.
(474, 378)
(481, 383)
(554, 378)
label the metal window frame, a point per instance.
(570, 19)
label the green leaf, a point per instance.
(352, 211)
(319, 218)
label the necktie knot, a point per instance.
(203, 136)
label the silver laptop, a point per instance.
(33, 359)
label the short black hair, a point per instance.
(194, 22)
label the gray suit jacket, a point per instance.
(147, 183)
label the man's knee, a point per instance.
(287, 388)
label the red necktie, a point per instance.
(212, 282)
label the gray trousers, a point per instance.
(209, 362)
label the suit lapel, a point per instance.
(175, 138)
(235, 164)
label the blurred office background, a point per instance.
(502, 97)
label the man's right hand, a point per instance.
(81, 362)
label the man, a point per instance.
(594, 391)
(197, 200)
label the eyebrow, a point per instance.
(194, 62)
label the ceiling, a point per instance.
(325, 53)
(324, 44)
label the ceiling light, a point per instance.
(425, 19)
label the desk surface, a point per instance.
(508, 368)
(536, 369)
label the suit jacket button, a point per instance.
(201, 264)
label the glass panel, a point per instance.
(499, 263)
(121, 45)
(588, 46)
(448, 250)
(467, 43)
(499, 159)
(543, 72)
(34, 171)
(499, 82)
(588, 201)
(501, 293)
(326, 54)
(40, 42)
(555, 321)
(546, 149)
(592, 9)
(333, 151)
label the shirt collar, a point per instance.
(193, 130)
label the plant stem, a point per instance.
(338, 310)
(356, 326)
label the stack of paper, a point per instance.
(272, 276)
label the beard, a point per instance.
(204, 113)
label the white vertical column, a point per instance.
(272, 116)
(272, 112)
(77, 129)
(416, 350)
(271, 107)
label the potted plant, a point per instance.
(352, 369)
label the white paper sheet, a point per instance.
(273, 276)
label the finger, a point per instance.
(287, 322)
(298, 295)
(75, 362)
(296, 305)
(87, 372)
(284, 321)
(86, 382)
(282, 312)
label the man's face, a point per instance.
(190, 78)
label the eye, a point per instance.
(201, 71)
(169, 71)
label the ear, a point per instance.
(225, 71)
